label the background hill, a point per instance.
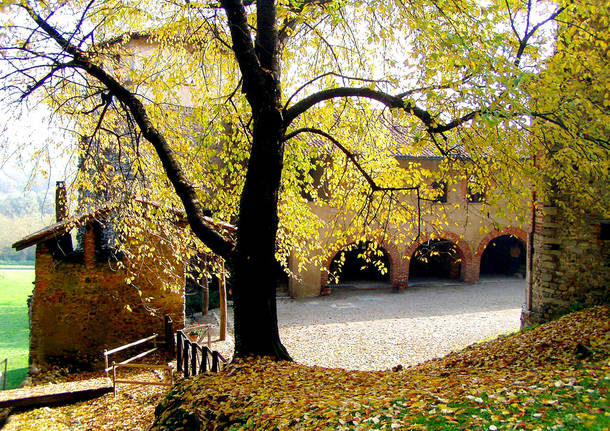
(21, 213)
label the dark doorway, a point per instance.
(504, 255)
(282, 279)
(438, 259)
(365, 261)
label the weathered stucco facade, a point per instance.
(471, 230)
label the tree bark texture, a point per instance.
(253, 279)
(254, 282)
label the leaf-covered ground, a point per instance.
(131, 409)
(555, 376)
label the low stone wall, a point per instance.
(81, 307)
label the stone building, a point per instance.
(81, 302)
(469, 244)
(569, 263)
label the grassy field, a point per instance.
(15, 286)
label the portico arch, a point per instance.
(393, 260)
(509, 245)
(462, 256)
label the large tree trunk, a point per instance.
(254, 283)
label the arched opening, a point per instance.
(504, 255)
(436, 259)
(365, 261)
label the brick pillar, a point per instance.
(44, 263)
(470, 271)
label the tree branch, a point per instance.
(303, 105)
(349, 155)
(338, 75)
(529, 34)
(392, 102)
(44, 79)
(249, 64)
(185, 191)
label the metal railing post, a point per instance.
(194, 359)
(214, 361)
(185, 355)
(204, 360)
(114, 377)
(179, 350)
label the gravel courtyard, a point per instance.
(376, 329)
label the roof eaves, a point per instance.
(60, 228)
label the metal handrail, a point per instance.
(127, 346)
(3, 374)
(186, 356)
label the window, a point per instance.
(474, 191)
(440, 191)
(604, 231)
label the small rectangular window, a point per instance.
(440, 191)
(604, 231)
(474, 192)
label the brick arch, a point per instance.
(467, 273)
(513, 231)
(390, 249)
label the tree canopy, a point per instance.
(261, 111)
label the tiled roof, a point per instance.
(61, 227)
(400, 136)
(401, 139)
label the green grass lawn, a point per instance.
(15, 286)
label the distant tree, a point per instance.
(15, 228)
(277, 90)
(20, 215)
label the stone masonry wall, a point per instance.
(81, 308)
(570, 266)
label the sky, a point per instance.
(29, 153)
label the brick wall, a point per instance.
(79, 306)
(570, 266)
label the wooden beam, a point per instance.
(222, 292)
(55, 399)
